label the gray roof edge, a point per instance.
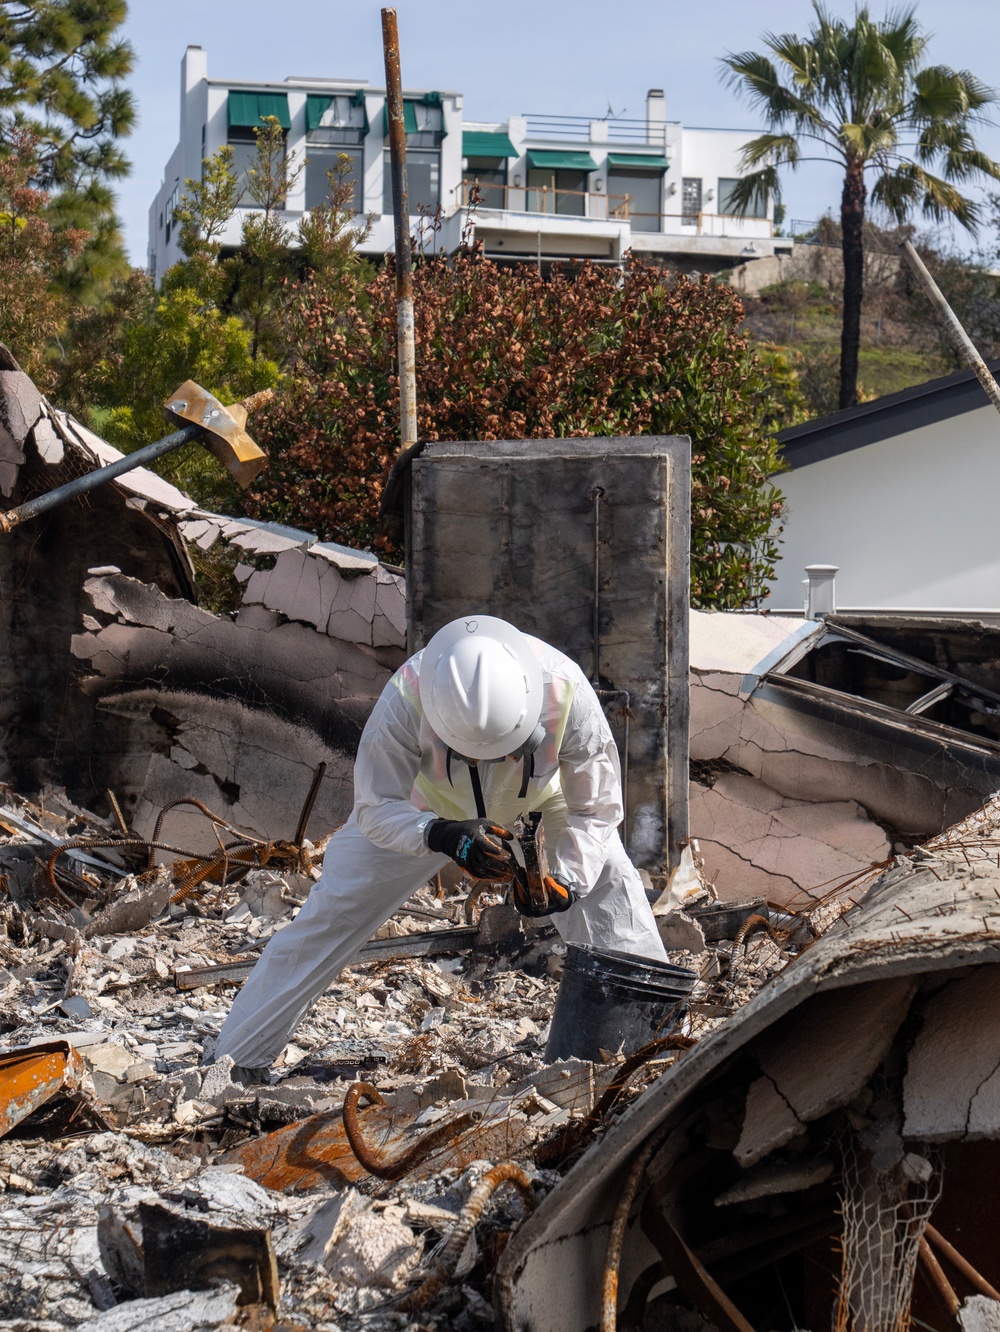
(895, 414)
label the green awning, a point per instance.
(317, 105)
(638, 160)
(561, 161)
(316, 108)
(245, 109)
(486, 143)
(409, 118)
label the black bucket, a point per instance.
(614, 1002)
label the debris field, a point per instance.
(409, 1128)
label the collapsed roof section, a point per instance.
(117, 678)
(821, 746)
(863, 1073)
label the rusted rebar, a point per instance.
(613, 1254)
(961, 1263)
(400, 1165)
(216, 819)
(555, 1149)
(443, 1270)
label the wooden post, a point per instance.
(401, 218)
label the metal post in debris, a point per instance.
(959, 336)
(401, 219)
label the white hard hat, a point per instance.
(481, 687)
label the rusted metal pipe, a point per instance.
(938, 1279)
(307, 808)
(420, 1150)
(401, 220)
(959, 336)
(505, 1173)
(962, 1264)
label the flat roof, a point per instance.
(884, 418)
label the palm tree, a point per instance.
(861, 94)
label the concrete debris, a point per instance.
(164, 1173)
(821, 747)
(862, 1074)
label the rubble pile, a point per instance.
(407, 1130)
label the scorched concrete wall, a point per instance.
(507, 528)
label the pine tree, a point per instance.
(62, 63)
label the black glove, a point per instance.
(558, 897)
(474, 845)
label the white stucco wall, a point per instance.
(912, 521)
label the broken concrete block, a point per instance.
(374, 1251)
(324, 1227)
(979, 1313)
(952, 1083)
(768, 1123)
(135, 907)
(766, 1181)
(679, 932)
(217, 1081)
(823, 1054)
(48, 443)
(183, 1311)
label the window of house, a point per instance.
(690, 199)
(727, 184)
(243, 142)
(643, 190)
(423, 179)
(322, 159)
(489, 174)
(557, 191)
(172, 203)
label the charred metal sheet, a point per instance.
(428, 944)
(316, 1151)
(30, 1077)
(182, 1251)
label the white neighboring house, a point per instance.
(550, 187)
(902, 495)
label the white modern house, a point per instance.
(900, 495)
(534, 187)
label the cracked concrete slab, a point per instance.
(817, 1059)
(952, 1084)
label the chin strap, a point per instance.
(526, 753)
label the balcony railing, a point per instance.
(616, 129)
(542, 200)
(545, 200)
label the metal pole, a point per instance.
(401, 218)
(959, 336)
(53, 498)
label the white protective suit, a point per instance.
(379, 858)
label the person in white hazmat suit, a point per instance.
(485, 724)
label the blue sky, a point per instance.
(523, 56)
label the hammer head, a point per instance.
(222, 429)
